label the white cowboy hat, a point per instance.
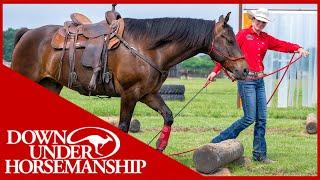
(261, 14)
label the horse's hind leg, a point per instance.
(51, 85)
(156, 102)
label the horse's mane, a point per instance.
(160, 31)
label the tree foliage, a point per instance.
(198, 64)
(8, 43)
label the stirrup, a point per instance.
(106, 77)
(72, 78)
(92, 85)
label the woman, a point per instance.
(254, 44)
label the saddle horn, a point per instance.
(112, 15)
(114, 7)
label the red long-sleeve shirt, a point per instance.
(254, 47)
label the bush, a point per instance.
(198, 64)
(8, 43)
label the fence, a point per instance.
(299, 86)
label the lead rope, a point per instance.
(285, 67)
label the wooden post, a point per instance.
(240, 27)
(240, 16)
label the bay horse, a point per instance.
(166, 41)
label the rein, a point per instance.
(143, 57)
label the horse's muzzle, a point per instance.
(240, 74)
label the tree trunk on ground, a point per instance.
(311, 124)
(210, 157)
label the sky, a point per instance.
(36, 15)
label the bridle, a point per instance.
(213, 49)
(219, 53)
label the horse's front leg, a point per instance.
(128, 103)
(156, 102)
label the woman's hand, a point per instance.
(211, 76)
(303, 52)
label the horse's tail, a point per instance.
(19, 34)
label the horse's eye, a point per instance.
(230, 41)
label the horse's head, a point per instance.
(225, 50)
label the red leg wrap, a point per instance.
(164, 138)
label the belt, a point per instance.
(255, 74)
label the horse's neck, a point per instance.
(179, 54)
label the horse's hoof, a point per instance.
(158, 143)
(161, 146)
(160, 151)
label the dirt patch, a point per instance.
(280, 130)
(186, 129)
(219, 172)
(242, 161)
(273, 130)
(113, 120)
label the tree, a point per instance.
(198, 64)
(8, 43)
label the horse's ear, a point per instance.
(226, 19)
(221, 18)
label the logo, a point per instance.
(97, 141)
(86, 150)
(249, 37)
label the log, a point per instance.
(311, 124)
(134, 124)
(210, 157)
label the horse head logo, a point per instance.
(97, 141)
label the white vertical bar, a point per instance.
(283, 88)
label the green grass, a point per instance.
(213, 110)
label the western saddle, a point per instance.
(95, 38)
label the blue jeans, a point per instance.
(254, 106)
